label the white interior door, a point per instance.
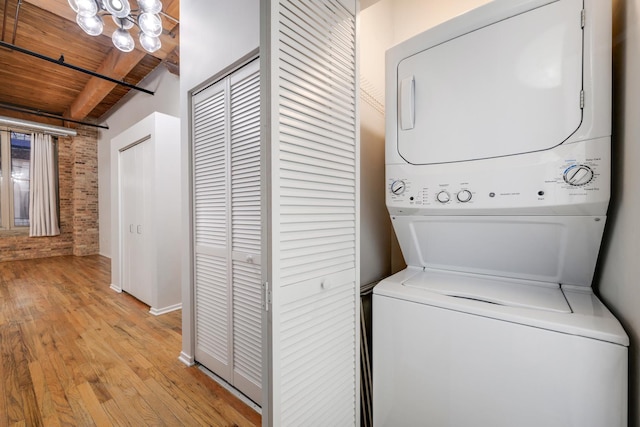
(226, 138)
(144, 272)
(311, 198)
(128, 216)
(136, 188)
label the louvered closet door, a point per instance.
(211, 263)
(228, 229)
(246, 228)
(313, 181)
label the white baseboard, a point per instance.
(115, 288)
(159, 311)
(186, 359)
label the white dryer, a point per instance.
(498, 176)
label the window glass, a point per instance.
(20, 157)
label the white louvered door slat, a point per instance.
(246, 228)
(313, 200)
(211, 266)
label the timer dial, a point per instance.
(443, 197)
(398, 187)
(464, 196)
(578, 175)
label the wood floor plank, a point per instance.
(99, 416)
(74, 353)
(13, 396)
(43, 397)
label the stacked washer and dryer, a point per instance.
(498, 176)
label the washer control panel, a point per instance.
(559, 181)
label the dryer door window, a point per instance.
(508, 88)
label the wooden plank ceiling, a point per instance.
(48, 27)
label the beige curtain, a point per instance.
(43, 209)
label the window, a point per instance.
(15, 152)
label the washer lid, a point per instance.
(508, 88)
(495, 290)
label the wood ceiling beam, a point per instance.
(117, 65)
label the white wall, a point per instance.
(134, 107)
(618, 276)
(213, 35)
(375, 226)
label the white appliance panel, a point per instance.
(478, 371)
(553, 249)
(472, 96)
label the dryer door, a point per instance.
(508, 88)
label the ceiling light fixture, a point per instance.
(147, 17)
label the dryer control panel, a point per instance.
(570, 179)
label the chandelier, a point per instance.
(90, 15)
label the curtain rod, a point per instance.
(25, 124)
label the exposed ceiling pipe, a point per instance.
(27, 125)
(60, 61)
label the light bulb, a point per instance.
(91, 25)
(84, 7)
(150, 6)
(150, 24)
(122, 40)
(118, 8)
(73, 5)
(149, 43)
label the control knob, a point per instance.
(443, 197)
(578, 175)
(398, 187)
(464, 196)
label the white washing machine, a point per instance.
(498, 176)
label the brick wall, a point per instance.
(85, 192)
(78, 178)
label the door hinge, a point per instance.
(266, 296)
(582, 99)
(582, 18)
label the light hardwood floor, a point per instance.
(75, 353)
